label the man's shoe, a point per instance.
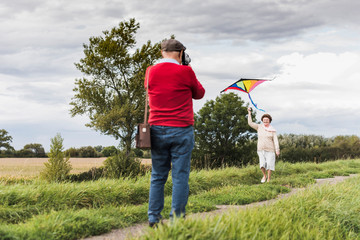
(153, 224)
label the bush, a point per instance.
(57, 168)
(138, 152)
(91, 175)
(122, 165)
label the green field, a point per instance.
(38, 210)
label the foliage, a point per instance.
(36, 148)
(348, 143)
(7, 153)
(311, 148)
(222, 134)
(99, 148)
(88, 152)
(91, 175)
(303, 141)
(109, 151)
(5, 140)
(57, 168)
(122, 165)
(29, 150)
(72, 152)
(147, 153)
(112, 93)
(138, 152)
(83, 152)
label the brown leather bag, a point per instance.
(143, 137)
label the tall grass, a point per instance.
(40, 210)
(325, 212)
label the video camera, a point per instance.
(185, 59)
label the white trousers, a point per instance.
(267, 160)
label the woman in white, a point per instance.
(267, 145)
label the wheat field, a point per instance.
(31, 167)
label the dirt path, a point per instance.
(140, 229)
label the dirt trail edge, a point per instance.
(139, 229)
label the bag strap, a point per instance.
(147, 95)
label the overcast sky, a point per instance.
(310, 47)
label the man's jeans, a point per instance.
(170, 146)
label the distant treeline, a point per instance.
(312, 148)
(37, 150)
(294, 148)
(29, 150)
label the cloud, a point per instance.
(38, 25)
(310, 46)
(314, 93)
(241, 20)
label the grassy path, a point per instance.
(140, 229)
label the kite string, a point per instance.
(255, 105)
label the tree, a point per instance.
(109, 151)
(72, 152)
(112, 93)
(36, 148)
(350, 145)
(5, 140)
(303, 141)
(222, 134)
(99, 148)
(57, 168)
(87, 152)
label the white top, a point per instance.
(267, 139)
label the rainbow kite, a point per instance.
(246, 85)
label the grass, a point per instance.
(325, 212)
(39, 210)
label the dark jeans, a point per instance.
(171, 148)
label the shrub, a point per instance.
(57, 168)
(138, 152)
(91, 175)
(122, 165)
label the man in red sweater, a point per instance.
(172, 87)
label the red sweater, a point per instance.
(171, 90)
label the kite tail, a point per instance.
(255, 105)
